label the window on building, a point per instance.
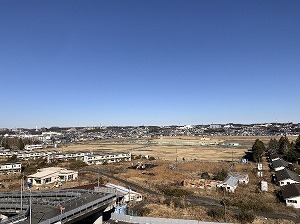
(48, 180)
(292, 201)
(38, 181)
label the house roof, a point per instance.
(287, 174)
(231, 181)
(279, 163)
(49, 171)
(290, 191)
(274, 156)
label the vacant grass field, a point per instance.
(172, 148)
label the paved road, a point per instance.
(195, 200)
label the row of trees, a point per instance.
(287, 149)
(17, 143)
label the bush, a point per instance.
(253, 205)
(205, 175)
(151, 158)
(167, 201)
(246, 217)
(76, 164)
(175, 192)
(143, 211)
(178, 203)
(216, 213)
(220, 175)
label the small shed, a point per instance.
(264, 185)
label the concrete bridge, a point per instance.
(65, 206)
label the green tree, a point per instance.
(297, 144)
(258, 150)
(20, 144)
(273, 145)
(284, 145)
(12, 159)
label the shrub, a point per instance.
(76, 164)
(246, 217)
(178, 203)
(205, 175)
(167, 201)
(175, 192)
(216, 213)
(220, 175)
(143, 211)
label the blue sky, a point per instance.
(158, 62)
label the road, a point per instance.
(195, 200)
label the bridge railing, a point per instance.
(82, 209)
(16, 218)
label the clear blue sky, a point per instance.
(158, 62)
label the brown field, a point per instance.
(172, 148)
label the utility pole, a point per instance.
(224, 205)
(30, 207)
(21, 193)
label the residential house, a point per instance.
(52, 175)
(232, 180)
(286, 176)
(33, 147)
(291, 195)
(96, 159)
(279, 164)
(6, 168)
(273, 157)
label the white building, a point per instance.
(95, 159)
(6, 168)
(51, 175)
(33, 147)
(286, 176)
(232, 181)
(291, 195)
(264, 185)
(128, 194)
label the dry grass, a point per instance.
(179, 147)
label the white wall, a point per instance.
(293, 204)
(286, 182)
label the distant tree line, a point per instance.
(289, 150)
(17, 143)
